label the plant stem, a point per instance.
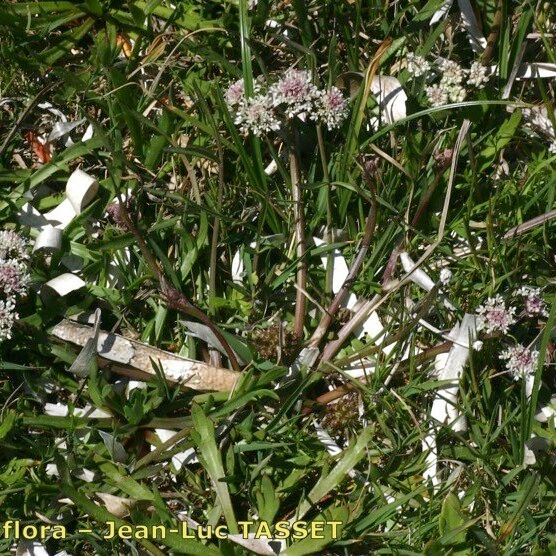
(215, 354)
(175, 299)
(328, 317)
(300, 301)
(329, 221)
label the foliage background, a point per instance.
(149, 76)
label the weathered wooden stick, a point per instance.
(135, 359)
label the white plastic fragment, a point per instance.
(84, 474)
(372, 326)
(62, 215)
(536, 70)
(237, 268)
(187, 457)
(49, 239)
(469, 21)
(88, 133)
(63, 128)
(547, 411)
(81, 189)
(271, 168)
(391, 98)
(444, 407)
(306, 358)
(326, 440)
(340, 272)
(476, 37)
(420, 277)
(30, 548)
(441, 12)
(64, 284)
(62, 410)
(135, 385)
(449, 366)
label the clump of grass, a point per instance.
(383, 285)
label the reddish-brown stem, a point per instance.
(328, 317)
(175, 299)
(341, 391)
(391, 264)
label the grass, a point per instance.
(150, 79)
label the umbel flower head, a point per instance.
(296, 92)
(534, 303)
(235, 93)
(520, 361)
(14, 279)
(8, 316)
(453, 78)
(417, 65)
(293, 96)
(493, 316)
(331, 108)
(12, 246)
(254, 114)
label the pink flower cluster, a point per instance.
(494, 316)
(14, 278)
(520, 361)
(534, 303)
(293, 95)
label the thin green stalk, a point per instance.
(299, 218)
(329, 220)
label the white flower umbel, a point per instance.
(12, 246)
(493, 316)
(477, 75)
(8, 316)
(295, 92)
(235, 93)
(438, 96)
(256, 114)
(520, 361)
(13, 277)
(534, 303)
(331, 108)
(452, 72)
(417, 65)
